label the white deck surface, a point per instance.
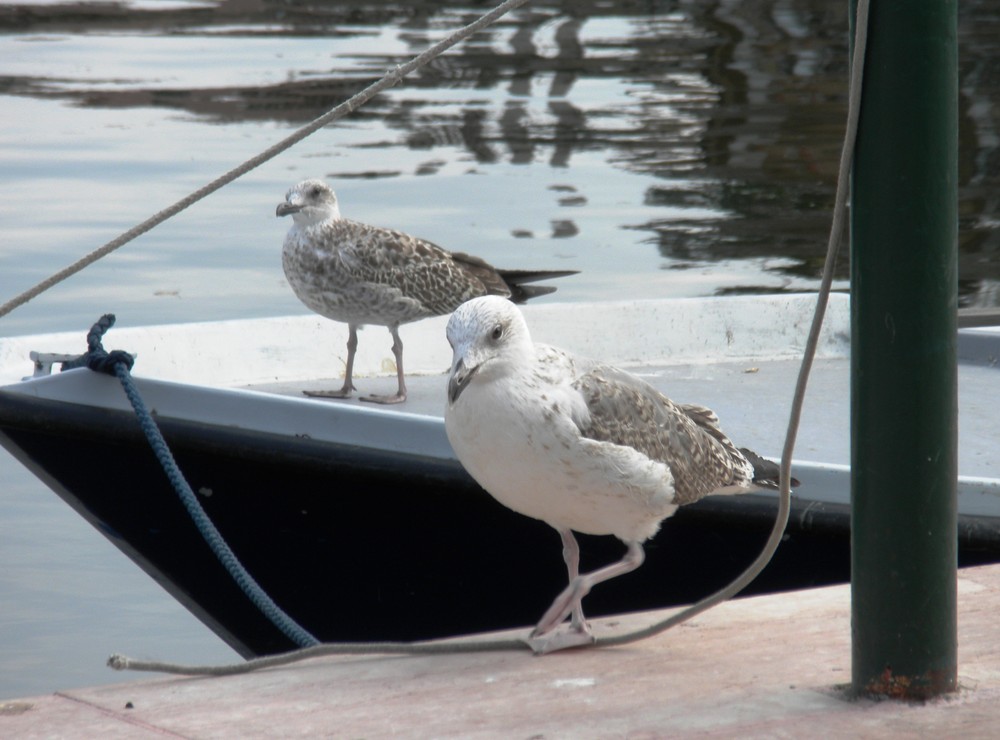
(739, 356)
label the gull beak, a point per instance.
(459, 380)
(285, 209)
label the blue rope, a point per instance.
(119, 364)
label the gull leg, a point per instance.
(345, 391)
(571, 555)
(569, 601)
(579, 631)
(397, 352)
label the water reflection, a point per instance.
(735, 108)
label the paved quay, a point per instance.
(761, 667)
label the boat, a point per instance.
(359, 521)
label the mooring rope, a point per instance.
(391, 78)
(121, 662)
(119, 364)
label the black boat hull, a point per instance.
(358, 544)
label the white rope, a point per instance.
(392, 77)
(822, 298)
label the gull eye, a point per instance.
(315, 191)
(497, 333)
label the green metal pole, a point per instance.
(903, 374)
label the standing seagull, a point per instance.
(580, 445)
(360, 274)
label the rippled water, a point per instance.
(661, 148)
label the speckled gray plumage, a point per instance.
(361, 274)
(356, 273)
(625, 410)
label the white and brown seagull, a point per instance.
(361, 274)
(581, 445)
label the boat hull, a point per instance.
(358, 545)
(361, 524)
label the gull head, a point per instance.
(489, 339)
(310, 202)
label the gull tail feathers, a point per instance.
(520, 293)
(766, 474)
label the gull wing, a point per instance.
(626, 410)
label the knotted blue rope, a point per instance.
(119, 364)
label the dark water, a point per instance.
(661, 148)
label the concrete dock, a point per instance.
(762, 667)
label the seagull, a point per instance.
(360, 274)
(580, 445)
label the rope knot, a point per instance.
(96, 357)
(102, 361)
